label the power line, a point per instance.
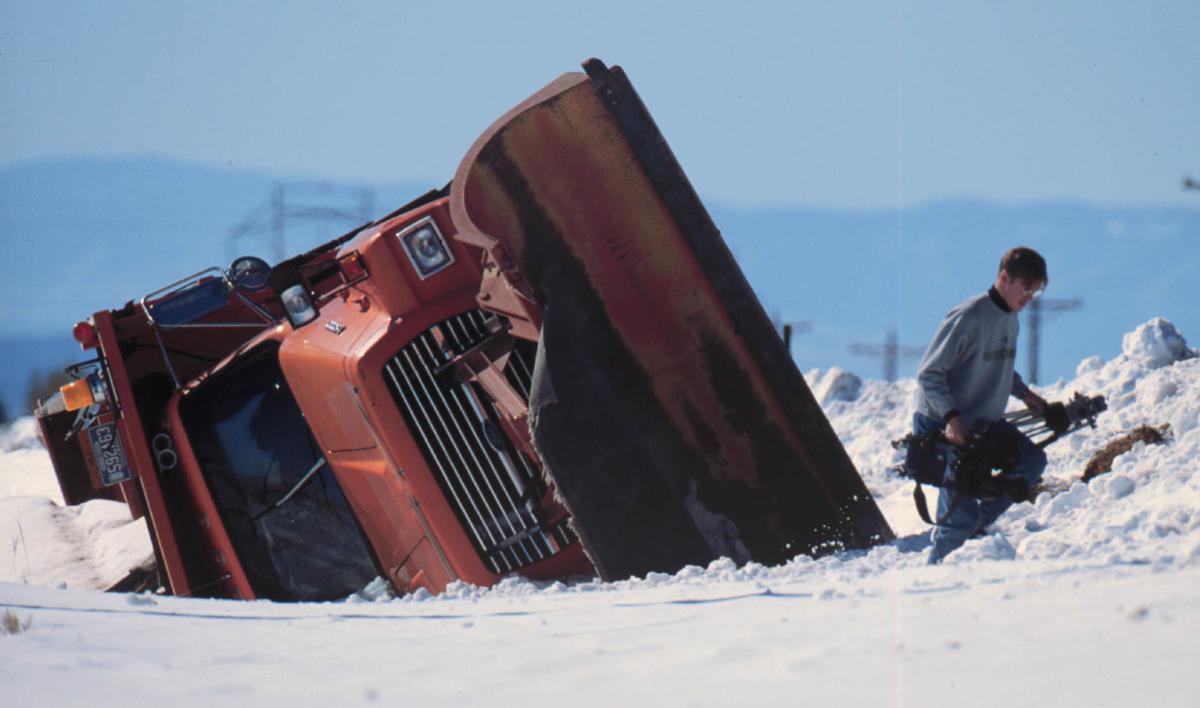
(294, 203)
(890, 351)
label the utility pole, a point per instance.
(1035, 308)
(796, 327)
(278, 215)
(890, 351)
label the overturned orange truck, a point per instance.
(551, 367)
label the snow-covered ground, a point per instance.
(1088, 597)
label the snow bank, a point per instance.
(1146, 511)
(24, 465)
(90, 546)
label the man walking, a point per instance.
(967, 375)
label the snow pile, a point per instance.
(1156, 343)
(1147, 510)
(90, 546)
(24, 465)
(21, 434)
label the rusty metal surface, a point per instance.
(665, 409)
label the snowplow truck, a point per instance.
(552, 366)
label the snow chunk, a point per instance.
(1156, 344)
(1092, 363)
(378, 590)
(1119, 486)
(21, 434)
(145, 599)
(834, 385)
(991, 547)
(1073, 498)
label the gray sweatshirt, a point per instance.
(968, 368)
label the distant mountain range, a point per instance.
(88, 234)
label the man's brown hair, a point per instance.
(1025, 264)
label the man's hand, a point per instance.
(1034, 401)
(956, 432)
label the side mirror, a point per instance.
(298, 306)
(249, 274)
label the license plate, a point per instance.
(109, 455)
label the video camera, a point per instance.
(980, 468)
(976, 469)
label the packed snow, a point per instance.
(1088, 596)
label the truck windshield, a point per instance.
(296, 538)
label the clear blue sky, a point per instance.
(819, 104)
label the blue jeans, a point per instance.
(969, 516)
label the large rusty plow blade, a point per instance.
(665, 408)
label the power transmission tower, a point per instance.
(294, 203)
(890, 351)
(1036, 308)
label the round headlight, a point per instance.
(426, 249)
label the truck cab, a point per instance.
(295, 447)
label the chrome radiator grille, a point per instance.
(493, 488)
